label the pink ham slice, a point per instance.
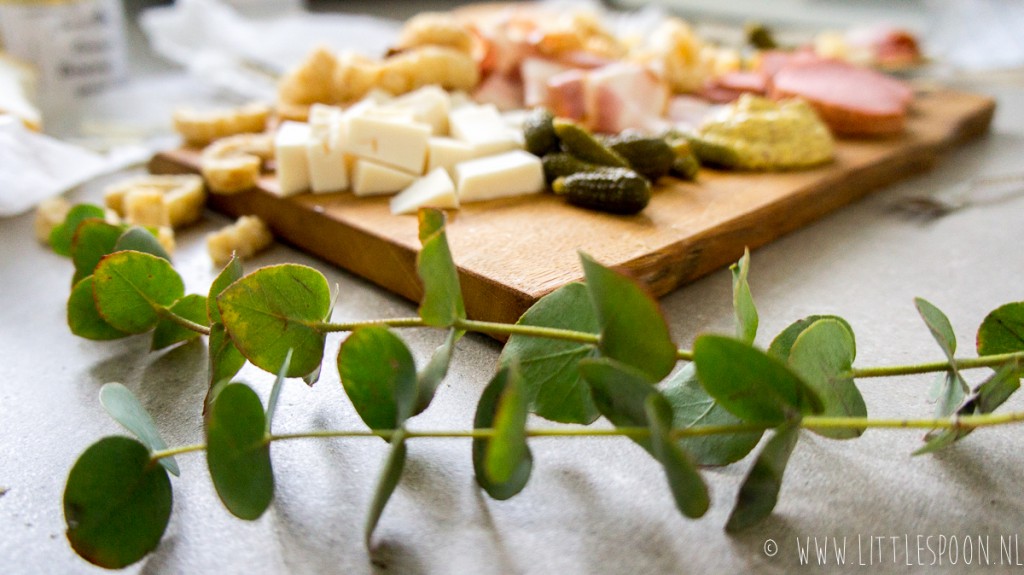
(504, 91)
(732, 85)
(623, 96)
(853, 101)
(567, 95)
(536, 72)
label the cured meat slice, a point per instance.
(731, 85)
(622, 96)
(567, 94)
(853, 101)
(535, 73)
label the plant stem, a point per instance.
(327, 327)
(938, 366)
(177, 451)
(494, 328)
(188, 324)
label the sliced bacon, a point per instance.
(622, 96)
(853, 101)
(536, 72)
(503, 90)
(567, 95)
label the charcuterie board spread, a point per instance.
(510, 251)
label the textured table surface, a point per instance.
(592, 505)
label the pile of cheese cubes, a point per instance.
(431, 148)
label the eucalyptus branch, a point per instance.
(994, 360)
(186, 323)
(328, 327)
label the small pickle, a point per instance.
(579, 142)
(650, 157)
(685, 165)
(539, 132)
(559, 164)
(614, 190)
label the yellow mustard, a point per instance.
(762, 134)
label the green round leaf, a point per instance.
(687, 486)
(749, 383)
(83, 317)
(122, 405)
(760, 489)
(1002, 331)
(141, 240)
(939, 325)
(743, 301)
(502, 464)
(93, 239)
(390, 475)
(62, 235)
(620, 392)
(692, 406)
(225, 359)
(823, 356)
(117, 503)
(167, 333)
(783, 343)
(238, 453)
(442, 295)
(633, 330)
(432, 374)
(231, 273)
(550, 378)
(379, 376)
(275, 309)
(131, 287)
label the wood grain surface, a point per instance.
(511, 252)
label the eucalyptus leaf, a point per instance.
(692, 406)
(238, 452)
(550, 378)
(390, 475)
(633, 330)
(225, 359)
(231, 273)
(132, 288)
(688, 488)
(1002, 330)
(275, 309)
(141, 240)
(502, 463)
(378, 373)
(783, 343)
(63, 234)
(749, 383)
(938, 324)
(117, 503)
(823, 356)
(83, 317)
(93, 239)
(987, 397)
(948, 392)
(430, 377)
(442, 301)
(760, 489)
(620, 393)
(124, 408)
(743, 301)
(275, 392)
(167, 333)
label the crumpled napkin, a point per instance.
(34, 166)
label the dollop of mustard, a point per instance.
(756, 133)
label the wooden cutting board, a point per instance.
(511, 252)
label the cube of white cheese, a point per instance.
(373, 179)
(399, 144)
(509, 174)
(328, 171)
(444, 152)
(483, 128)
(434, 190)
(429, 105)
(290, 155)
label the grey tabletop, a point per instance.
(597, 505)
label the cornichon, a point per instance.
(648, 156)
(714, 153)
(561, 164)
(685, 166)
(579, 142)
(539, 132)
(614, 190)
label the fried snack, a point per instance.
(233, 164)
(312, 81)
(686, 61)
(244, 238)
(182, 195)
(165, 237)
(435, 29)
(49, 214)
(353, 77)
(445, 67)
(146, 207)
(199, 128)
